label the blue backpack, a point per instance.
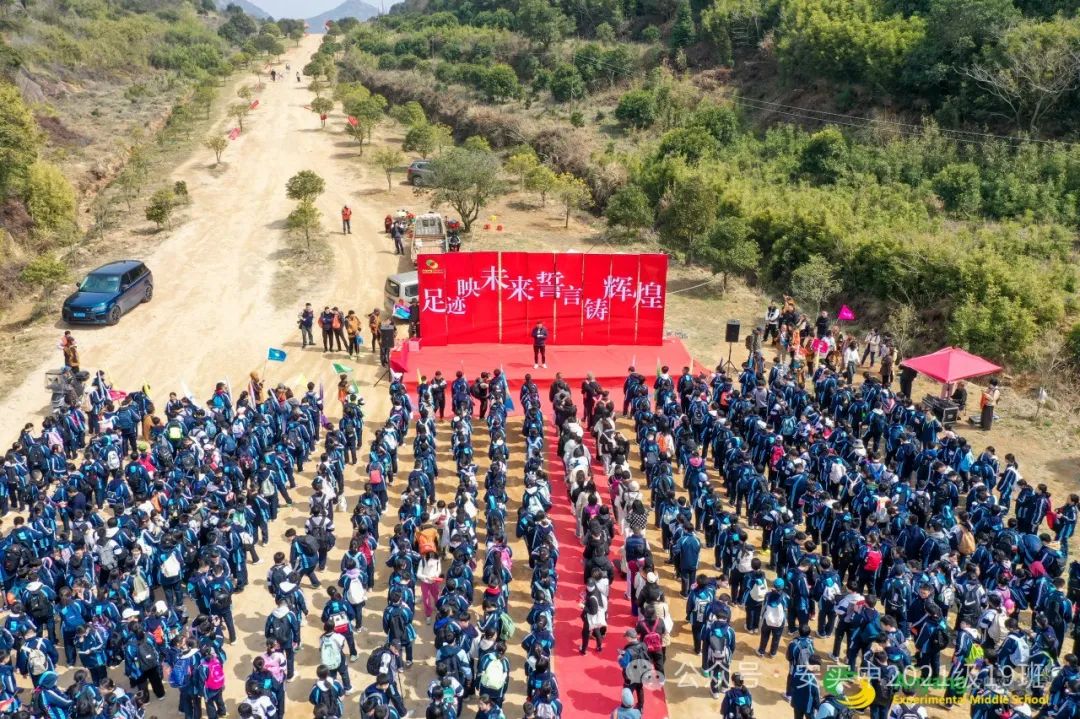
(180, 672)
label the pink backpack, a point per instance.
(215, 674)
(270, 663)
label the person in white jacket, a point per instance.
(429, 574)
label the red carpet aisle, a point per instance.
(590, 685)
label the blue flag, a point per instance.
(275, 355)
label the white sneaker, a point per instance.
(544, 366)
(536, 366)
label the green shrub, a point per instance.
(958, 186)
(629, 207)
(636, 109)
(50, 198)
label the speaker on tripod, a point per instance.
(731, 336)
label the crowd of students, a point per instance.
(893, 543)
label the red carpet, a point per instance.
(608, 363)
(590, 685)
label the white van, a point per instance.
(402, 286)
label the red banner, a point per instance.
(517, 292)
(433, 299)
(620, 290)
(480, 291)
(592, 299)
(568, 305)
(254, 104)
(651, 298)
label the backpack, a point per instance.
(494, 675)
(280, 631)
(969, 600)
(506, 627)
(425, 543)
(36, 661)
(1022, 653)
(758, 590)
(323, 536)
(700, 605)
(965, 544)
(107, 555)
(894, 595)
(170, 568)
(375, 662)
(266, 487)
(1073, 587)
(220, 597)
(174, 431)
(873, 560)
(545, 711)
(940, 638)
(15, 557)
(719, 651)
(112, 459)
(180, 672)
(831, 590)
(329, 652)
(215, 674)
(356, 592)
(147, 656)
(839, 710)
(140, 590)
(652, 639)
(36, 455)
(774, 615)
(746, 556)
(38, 605)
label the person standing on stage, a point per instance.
(539, 334)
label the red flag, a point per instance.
(254, 104)
(322, 117)
(234, 133)
(353, 121)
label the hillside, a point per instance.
(249, 8)
(350, 8)
(89, 91)
(891, 155)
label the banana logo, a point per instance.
(862, 698)
(839, 679)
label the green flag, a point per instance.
(342, 369)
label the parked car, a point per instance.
(420, 173)
(404, 287)
(109, 292)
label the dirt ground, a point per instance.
(220, 302)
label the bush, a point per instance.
(957, 185)
(50, 199)
(636, 109)
(691, 143)
(577, 118)
(566, 83)
(650, 33)
(824, 158)
(629, 207)
(46, 272)
(160, 208)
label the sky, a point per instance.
(304, 8)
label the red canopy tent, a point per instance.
(951, 364)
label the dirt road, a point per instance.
(212, 317)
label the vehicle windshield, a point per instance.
(100, 283)
(392, 288)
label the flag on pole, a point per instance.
(419, 378)
(845, 314)
(276, 355)
(633, 361)
(658, 367)
(341, 369)
(353, 121)
(186, 391)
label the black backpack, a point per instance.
(147, 655)
(38, 605)
(839, 710)
(35, 457)
(16, 556)
(220, 597)
(1073, 588)
(281, 631)
(375, 662)
(322, 535)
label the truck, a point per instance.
(427, 235)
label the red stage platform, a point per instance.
(607, 363)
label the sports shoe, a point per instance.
(536, 366)
(544, 365)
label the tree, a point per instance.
(388, 159)
(566, 83)
(161, 206)
(688, 214)
(541, 180)
(683, 32)
(903, 324)
(305, 186)
(245, 92)
(542, 22)
(475, 142)
(573, 193)
(500, 83)
(467, 180)
(815, 281)
(46, 272)
(825, 157)
(204, 98)
(238, 28)
(409, 114)
(322, 106)
(238, 111)
(50, 198)
(1031, 69)
(19, 139)
(296, 35)
(636, 109)
(629, 207)
(520, 164)
(420, 139)
(731, 249)
(304, 219)
(217, 144)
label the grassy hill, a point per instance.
(86, 87)
(889, 152)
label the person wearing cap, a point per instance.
(774, 616)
